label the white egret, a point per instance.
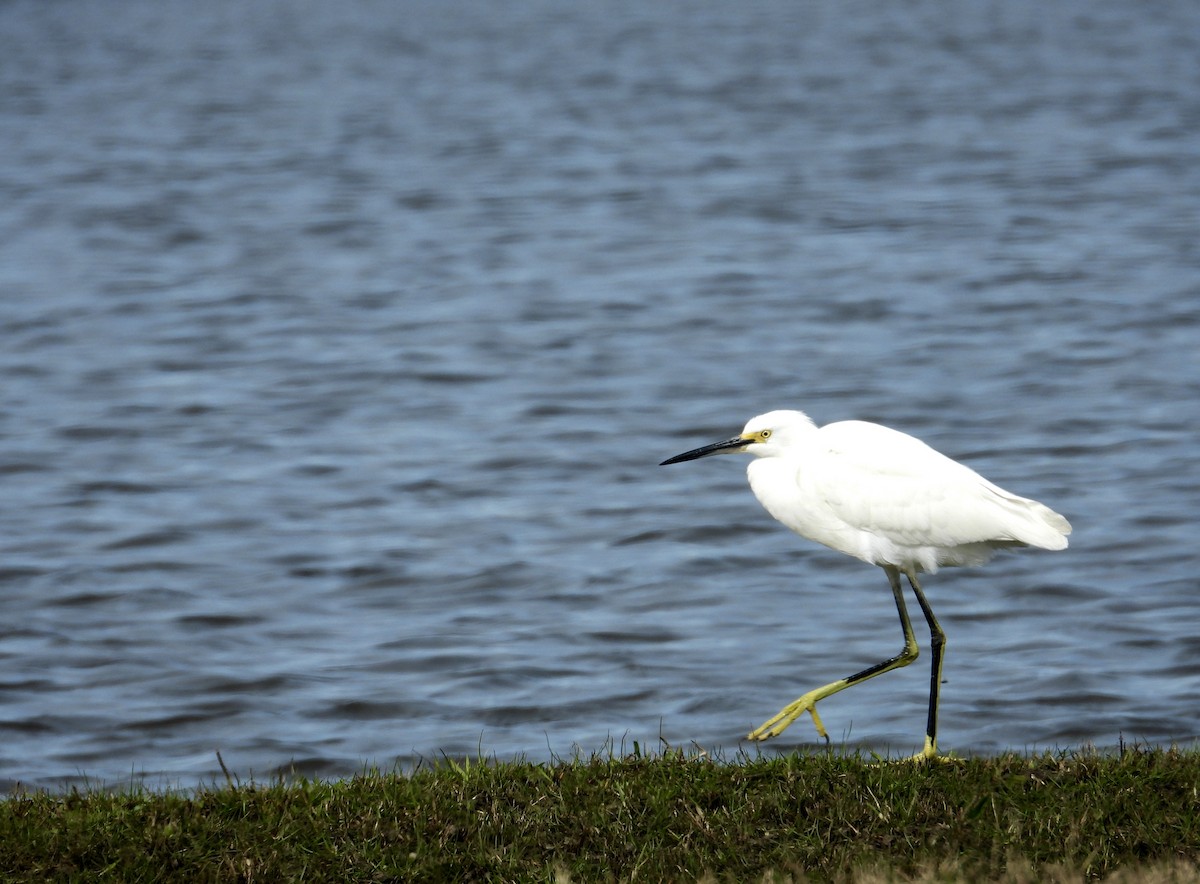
(889, 499)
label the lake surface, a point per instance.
(340, 344)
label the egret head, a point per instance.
(767, 435)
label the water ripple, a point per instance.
(336, 377)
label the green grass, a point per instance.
(672, 817)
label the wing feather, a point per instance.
(891, 485)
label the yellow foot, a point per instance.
(922, 758)
(773, 727)
(929, 753)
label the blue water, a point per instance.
(340, 343)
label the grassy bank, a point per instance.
(672, 817)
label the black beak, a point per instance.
(735, 444)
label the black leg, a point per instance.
(937, 642)
(773, 727)
(910, 650)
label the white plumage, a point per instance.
(889, 499)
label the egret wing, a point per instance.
(894, 486)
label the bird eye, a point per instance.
(765, 434)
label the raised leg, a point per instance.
(937, 642)
(808, 703)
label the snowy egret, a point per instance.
(889, 499)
